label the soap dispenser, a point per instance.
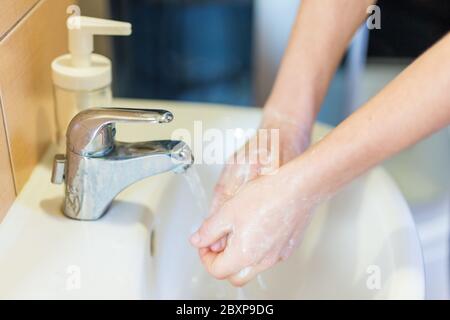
(81, 78)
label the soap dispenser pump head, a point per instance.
(81, 36)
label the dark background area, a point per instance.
(201, 50)
(185, 50)
(409, 27)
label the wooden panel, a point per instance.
(11, 11)
(25, 83)
(7, 193)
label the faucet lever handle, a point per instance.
(91, 132)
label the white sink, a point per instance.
(361, 244)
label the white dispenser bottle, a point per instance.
(81, 78)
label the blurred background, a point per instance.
(228, 51)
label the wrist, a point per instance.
(294, 128)
(294, 112)
(307, 177)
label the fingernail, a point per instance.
(195, 238)
(216, 246)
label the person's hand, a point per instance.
(257, 158)
(261, 227)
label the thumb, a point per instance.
(213, 229)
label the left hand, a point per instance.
(261, 155)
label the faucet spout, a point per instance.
(152, 157)
(93, 179)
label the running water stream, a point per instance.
(198, 191)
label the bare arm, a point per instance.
(320, 36)
(411, 107)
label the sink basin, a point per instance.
(359, 235)
(362, 244)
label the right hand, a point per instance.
(259, 233)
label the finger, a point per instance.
(292, 244)
(249, 273)
(219, 245)
(229, 182)
(212, 229)
(243, 166)
(207, 258)
(219, 199)
(230, 186)
(226, 263)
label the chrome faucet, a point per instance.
(96, 167)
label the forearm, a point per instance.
(318, 41)
(411, 107)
